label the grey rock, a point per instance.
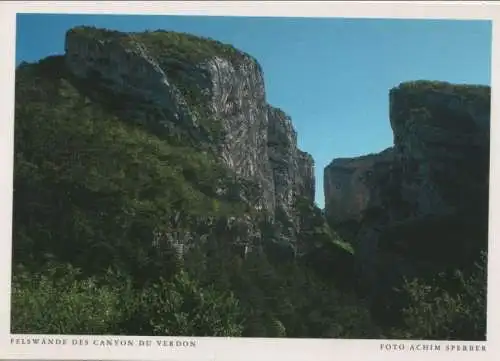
(125, 70)
(351, 185)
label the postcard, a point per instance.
(248, 181)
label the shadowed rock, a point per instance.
(420, 206)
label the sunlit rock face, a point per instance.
(221, 89)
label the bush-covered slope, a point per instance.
(119, 231)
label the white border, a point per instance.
(240, 349)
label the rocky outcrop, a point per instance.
(217, 97)
(305, 182)
(352, 185)
(288, 162)
(441, 137)
(421, 205)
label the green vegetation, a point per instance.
(60, 301)
(417, 96)
(435, 312)
(465, 91)
(162, 44)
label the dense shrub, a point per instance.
(450, 308)
(59, 301)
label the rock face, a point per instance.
(217, 97)
(288, 163)
(422, 203)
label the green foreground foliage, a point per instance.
(94, 197)
(437, 310)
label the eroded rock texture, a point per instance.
(216, 96)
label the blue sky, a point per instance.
(331, 75)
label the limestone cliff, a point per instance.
(351, 185)
(213, 93)
(421, 205)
